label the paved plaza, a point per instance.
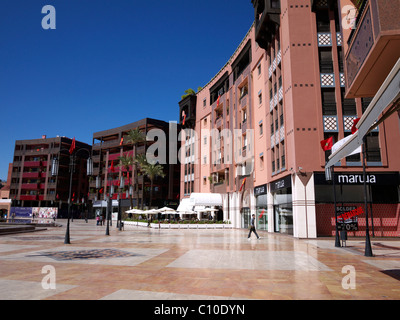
(197, 264)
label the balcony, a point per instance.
(373, 47)
(32, 186)
(266, 13)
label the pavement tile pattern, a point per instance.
(141, 263)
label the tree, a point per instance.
(126, 161)
(140, 161)
(153, 170)
(134, 137)
(188, 92)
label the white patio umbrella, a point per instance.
(166, 210)
(137, 211)
(151, 211)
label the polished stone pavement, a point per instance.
(140, 263)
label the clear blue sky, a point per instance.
(108, 62)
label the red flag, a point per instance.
(354, 128)
(184, 117)
(218, 100)
(72, 148)
(262, 213)
(122, 141)
(101, 190)
(327, 144)
(243, 182)
(112, 166)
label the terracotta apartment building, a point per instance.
(109, 145)
(256, 127)
(32, 182)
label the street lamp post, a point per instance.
(54, 172)
(368, 249)
(121, 186)
(109, 207)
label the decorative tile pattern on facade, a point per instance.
(282, 133)
(330, 124)
(322, 3)
(324, 39)
(280, 93)
(348, 122)
(273, 140)
(339, 38)
(342, 80)
(327, 80)
(278, 57)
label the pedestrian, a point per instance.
(253, 226)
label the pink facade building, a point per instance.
(253, 132)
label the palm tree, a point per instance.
(153, 170)
(127, 161)
(140, 161)
(134, 137)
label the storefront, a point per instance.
(281, 191)
(260, 193)
(382, 200)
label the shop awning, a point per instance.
(186, 205)
(387, 95)
(206, 199)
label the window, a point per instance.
(260, 98)
(372, 147)
(325, 61)
(261, 128)
(204, 102)
(243, 91)
(323, 21)
(261, 161)
(328, 102)
(244, 118)
(348, 105)
(273, 161)
(259, 69)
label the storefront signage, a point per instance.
(260, 190)
(348, 220)
(383, 179)
(355, 178)
(281, 184)
(351, 214)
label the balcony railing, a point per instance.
(372, 47)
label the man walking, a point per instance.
(253, 226)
